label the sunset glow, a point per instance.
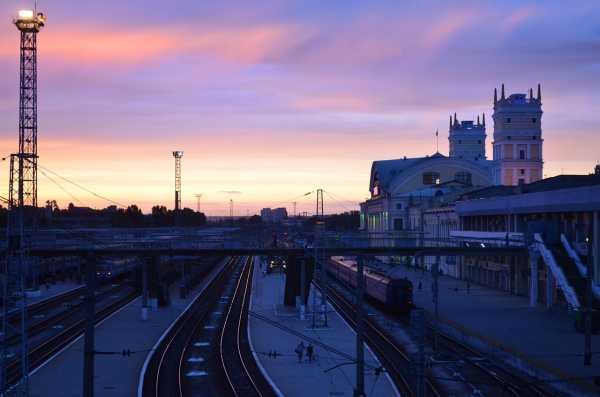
(281, 98)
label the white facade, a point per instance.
(517, 138)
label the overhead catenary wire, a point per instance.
(340, 198)
(82, 187)
(62, 188)
(340, 202)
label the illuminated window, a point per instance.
(431, 178)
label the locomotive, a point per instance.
(393, 293)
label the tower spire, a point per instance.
(450, 122)
(483, 119)
(478, 120)
(531, 94)
(539, 95)
(455, 120)
(495, 96)
(502, 97)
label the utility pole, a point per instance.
(587, 357)
(231, 210)
(294, 203)
(88, 336)
(359, 391)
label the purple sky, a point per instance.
(276, 98)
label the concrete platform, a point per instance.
(115, 375)
(306, 379)
(541, 340)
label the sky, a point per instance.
(270, 100)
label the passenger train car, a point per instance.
(394, 293)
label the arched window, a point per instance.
(431, 178)
(464, 177)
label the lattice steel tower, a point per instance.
(178, 154)
(24, 163)
(22, 196)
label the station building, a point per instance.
(559, 216)
(465, 198)
(401, 189)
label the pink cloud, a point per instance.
(442, 31)
(517, 18)
(333, 102)
(92, 45)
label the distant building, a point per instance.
(275, 215)
(517, 138)
(467, 138)
(266, 215)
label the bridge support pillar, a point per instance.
(549, 288)
(88, 336)
(145, 263)
(533, 285)
(303, 291)
(359, 390)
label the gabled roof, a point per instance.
(386, 170)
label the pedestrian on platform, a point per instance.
(309, 352)
(300, 351)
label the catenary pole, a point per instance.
(359, 391)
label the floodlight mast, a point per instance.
(22, 193)
(29, 24)
(178, 154)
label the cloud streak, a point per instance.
(286, 96)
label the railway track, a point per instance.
(38, 354)
(165, 373)
(494, 379)
(392, 357)
(243, 377)
(484, 377)
(44, 305)
(49, 320)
